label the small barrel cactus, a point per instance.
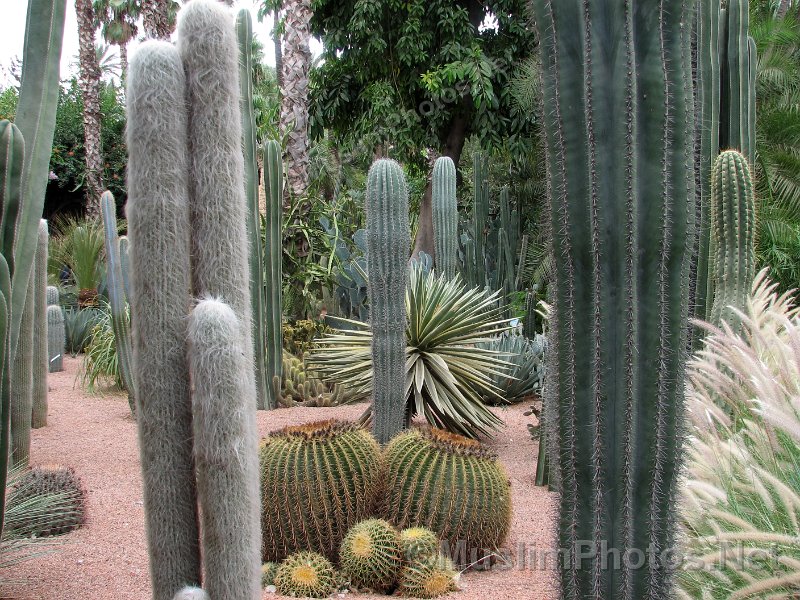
(371, 555)
(55, 337)
(428, 578)
(306, 575)
(66, 516)
(451, 484)
(268, 572)
(418, 543)
(317, 481)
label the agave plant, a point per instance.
(78, 328)
(447, 372)
(741, 510)
(527, 367)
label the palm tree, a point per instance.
(118, 19)
(158, 18)
(90, 91)
(294, 93)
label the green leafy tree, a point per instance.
(402, 77)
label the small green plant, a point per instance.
(306, 575)
(525, 366)
(371, 555)
(428, 578)
(300, 336)
(101, 361)
(77, 245)
(79, 324)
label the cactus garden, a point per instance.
(332, 298)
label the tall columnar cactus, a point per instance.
(40, 354)
(226, 452)
(117, 297)
(218, 208)
(158, 225)
(22, 383)
(738, 96)
(244, 33)
(273, 326)
(620, 140)
(733, 231)
(707, 33)
(125, 266)
(388, 240)
(480, 217)
(445, 216)
(55, 337)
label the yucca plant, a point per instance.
(101, 362)
(447, 373)
(741, 511)
(78, 245)
(526, 371)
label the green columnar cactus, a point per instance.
(40, 355)
(117, 297)
(306, 575)
(371, 555)
(317, 481)
(273, 182)
(388, 241)
(22, 383)
(226, 452)
(425, 470)
(51, 295)
(738, 81)
(445, 216)
(733, 231)
(480, 217)
(617, 81)
(707, 26)
(218, 207)
(158, 225)
(55, 338)
(244, 33)
(124, 263)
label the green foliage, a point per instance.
(371, 555)
(300, 336)
(296, 386)
(317, 481)
(77, 243)
(427, 468)
(101, 361)
(446, 373)
(525, 372)
(306, 575)
(429, 578)
(8, 103)
(79, 326)
(399, 75)
(26, 491)
(742, 489)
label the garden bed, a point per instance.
(107, 558)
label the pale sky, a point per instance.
(12, 36)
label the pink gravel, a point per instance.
(107, 558)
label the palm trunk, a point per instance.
(276, 39)
(123, 63)
(295, 67)
(90, 89)
(156, 21)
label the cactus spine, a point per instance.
(117, 297)
(244, 33)
(226, 452)
(620, 139)
(445, 216)
(55, 337)
(158, 223)
(733, 232)
(40, 354)
(388, 240)
(273, 181)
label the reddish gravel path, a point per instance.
(107, 558)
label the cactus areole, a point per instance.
(619, 129)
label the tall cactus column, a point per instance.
(41, 365)
(55, 331)
(620, 139)
(273, 326)
(22, 382)
(480, 217)
(158, 224)
(388, 241)
(445, 216)
(738, 97)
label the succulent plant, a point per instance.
(371, 555)
(40, 365)
(298, 387)
(450, 484)
(428, 578)
(418, 543)
(55, 338)
(306, 575)
(268, 572)
(445, 216)
(70, 514)
(525, 366)
(317, 481)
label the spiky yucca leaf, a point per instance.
(742, 495)
(447, 373)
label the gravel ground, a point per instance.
(107, 558)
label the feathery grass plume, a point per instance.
(226, 452)
(158, 225)
(741, 502)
